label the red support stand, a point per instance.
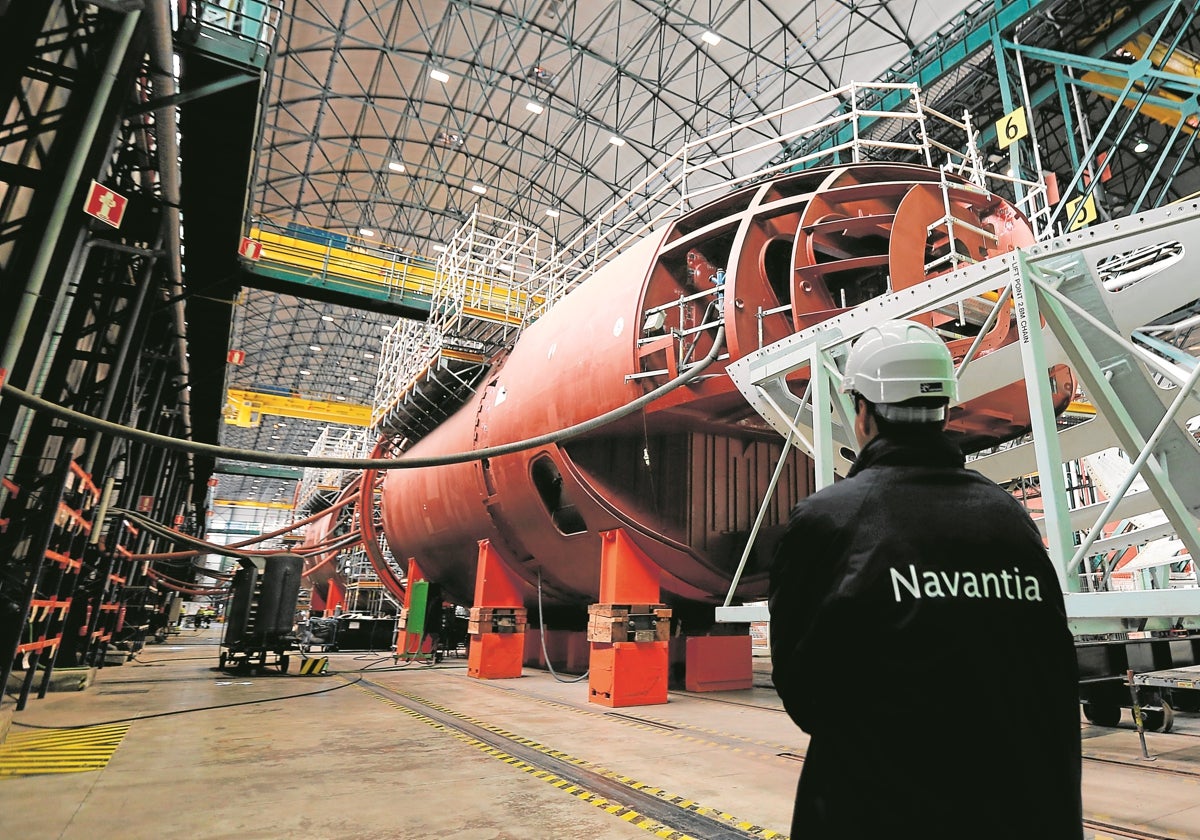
(497, 623)
(335, 596)
(628, 629)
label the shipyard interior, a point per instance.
(401, 402)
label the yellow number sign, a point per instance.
(1081, 217)
(1011, 127)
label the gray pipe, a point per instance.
(162, 73)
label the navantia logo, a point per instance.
(931, 387)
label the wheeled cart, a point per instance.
(1105, 665)
(258, 628)
(255, 659)
(1163, 692)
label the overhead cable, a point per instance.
(282, 459)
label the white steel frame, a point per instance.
(1047, 280)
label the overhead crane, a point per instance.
(245, 408)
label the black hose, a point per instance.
(176, 444)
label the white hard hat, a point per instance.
(898, 361)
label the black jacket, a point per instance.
(918, 635)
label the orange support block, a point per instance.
(628, 674)
(496, 655)
(496, 585)
(718, 663)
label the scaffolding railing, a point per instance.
(481, 297)
(333, 442)
(246, 30)
(486, 274)
(710, 166)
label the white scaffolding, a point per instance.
(482, 296)
(709, 167)
(318, 485)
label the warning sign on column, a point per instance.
(104, 204)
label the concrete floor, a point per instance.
(343, 759)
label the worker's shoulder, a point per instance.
(835, 497)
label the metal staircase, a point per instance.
(482, 298)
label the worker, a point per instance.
(918, 632)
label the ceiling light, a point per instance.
(340, 398)
(533, 107)
(326, 317)
(306, 373)
(274, 437)
(270, 448)
(1140, 145)
(439, 75)
(551, 212)
(617, 141)
(366, 232)
(314, 348)
(368, 355)
(711, 38)
(439, 248)
(353, 378)
(479, 189)
(396, 166)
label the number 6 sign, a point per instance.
(1011, 127)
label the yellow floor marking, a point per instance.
(60, 750)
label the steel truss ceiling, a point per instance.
(352, 93)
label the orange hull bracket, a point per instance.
(497, 623)
(627, 631)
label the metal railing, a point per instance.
(734, 156)
(481, 297)
(333, 442)
(328, 255)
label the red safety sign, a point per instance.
(235, 357)
(105, 204)
(251, 249)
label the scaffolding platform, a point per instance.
(482, 297)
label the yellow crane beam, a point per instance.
(245, 409)
(249, 503)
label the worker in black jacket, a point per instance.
(918, 632)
